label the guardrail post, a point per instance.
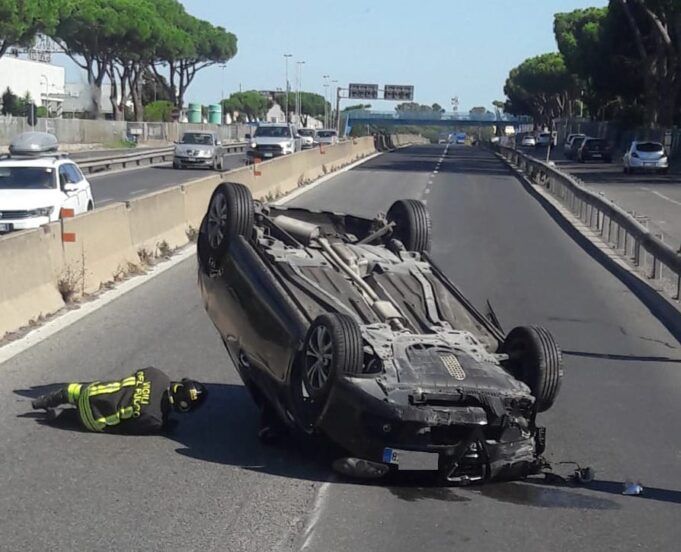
(678, 287)
(637, 252)
(626, 243)
(619, 229)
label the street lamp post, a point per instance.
(286, 56)
(331, 115)
(299, 84)
(326, 94)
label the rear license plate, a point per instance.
(267, 155)
(5, 227)
(597, 155)
(411, 459)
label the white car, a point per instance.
(272, 140)
(646, 156)
(327, 137)
(543, 139)
(36, 183)
(307, 137)
(528, 141)
(567, 145)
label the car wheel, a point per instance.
(230, 214)
(412, 224)
(177, 165)
(625, 170)
(90, 206)
(333, 346)
(536, 360)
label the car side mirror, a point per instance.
(70, 188)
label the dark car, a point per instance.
(594, 149)
(571, 149)
(346, 328)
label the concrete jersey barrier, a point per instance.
(38, 271)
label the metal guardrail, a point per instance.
(617, 227)
(139, 159)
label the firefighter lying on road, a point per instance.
(138, 404)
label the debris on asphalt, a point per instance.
(632, 489)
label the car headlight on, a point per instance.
(254, 145)
(41, 212)
(205, 153)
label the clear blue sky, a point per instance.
(461, 48)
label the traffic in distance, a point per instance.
(639, 156)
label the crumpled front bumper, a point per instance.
(469, 449)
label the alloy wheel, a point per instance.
(319, 358)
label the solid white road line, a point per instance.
(13, 348)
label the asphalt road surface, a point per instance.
(654, 198)
(210, 483)
(126, 185)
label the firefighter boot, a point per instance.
(51, 400)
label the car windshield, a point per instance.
(306, 132)
(326, 133)
(27, 178)
(197, 139)
(649, 147)
(272, 132)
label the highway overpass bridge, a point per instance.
(429, 118)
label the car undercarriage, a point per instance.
(346, 327)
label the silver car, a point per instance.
(327, 137)
(307, 137)
(199, 149)
(646, 156)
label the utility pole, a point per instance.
(286, 56)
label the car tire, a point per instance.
(230, 214)
(333, 346)
(536, 360)
(90, 206)
(625, 170)
(177, 165)
(412, 225)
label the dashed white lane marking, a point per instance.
(427, 191)
(658, 194)
(435, 171)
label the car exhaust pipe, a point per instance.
(302, 231)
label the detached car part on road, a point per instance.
(345, 327)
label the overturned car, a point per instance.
(346, 327)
